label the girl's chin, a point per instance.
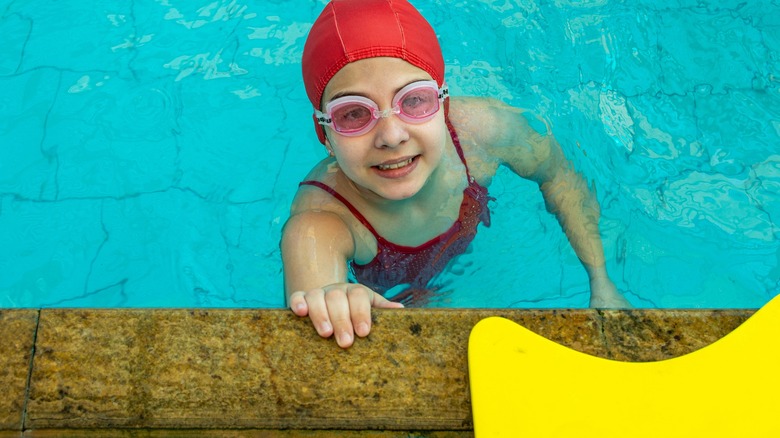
(396, 192)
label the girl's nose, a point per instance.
(390, 130)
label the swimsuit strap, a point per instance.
(458, 149)
(355, 212)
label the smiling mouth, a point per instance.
(394, 166)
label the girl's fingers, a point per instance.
(338, 312)
(342, 311)
(381, 302)
(360, 309)
(318, 312)
(297, 303)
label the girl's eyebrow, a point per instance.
(355, 93)
(347, 93)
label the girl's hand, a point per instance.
(342, 309)
(604, 294)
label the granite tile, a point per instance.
(17, 335)
(580, 329)
(137, 368)
(650, 334)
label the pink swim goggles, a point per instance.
(415, 103)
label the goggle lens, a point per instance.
(351, 116)
(420, 103)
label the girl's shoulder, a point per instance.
(477, 124)
(327, 190)
(489, 122)
(312, 195)
(329, 199)
(498, 133)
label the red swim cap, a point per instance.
(351, 30)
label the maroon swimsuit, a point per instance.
(417, 265)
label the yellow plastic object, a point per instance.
(524, 385)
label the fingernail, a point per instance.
(361, 329)
(299, 307)
(345, 339)
(325, 327)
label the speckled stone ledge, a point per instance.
(263, 373)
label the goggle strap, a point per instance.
(322, 118)
(444, 92)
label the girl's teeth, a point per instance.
(395, 166)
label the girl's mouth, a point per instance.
(397, 169)
(397, 165)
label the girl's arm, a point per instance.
(566, 194)
(525, 145)
(315, 248)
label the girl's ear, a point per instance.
(328, 146)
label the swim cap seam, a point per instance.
(400, 26)
(330, 73)
(338, 29)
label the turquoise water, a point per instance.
(149, 150)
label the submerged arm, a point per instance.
(566, 194)
(526, 146)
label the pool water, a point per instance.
(149, 151)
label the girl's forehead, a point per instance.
(372, 74)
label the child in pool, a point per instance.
(404, 186)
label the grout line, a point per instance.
(30, 371)
(603, 335)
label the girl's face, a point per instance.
(395, 159)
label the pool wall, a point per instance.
(265, 373)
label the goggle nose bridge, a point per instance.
(383, 114)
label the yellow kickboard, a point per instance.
(524, 385)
